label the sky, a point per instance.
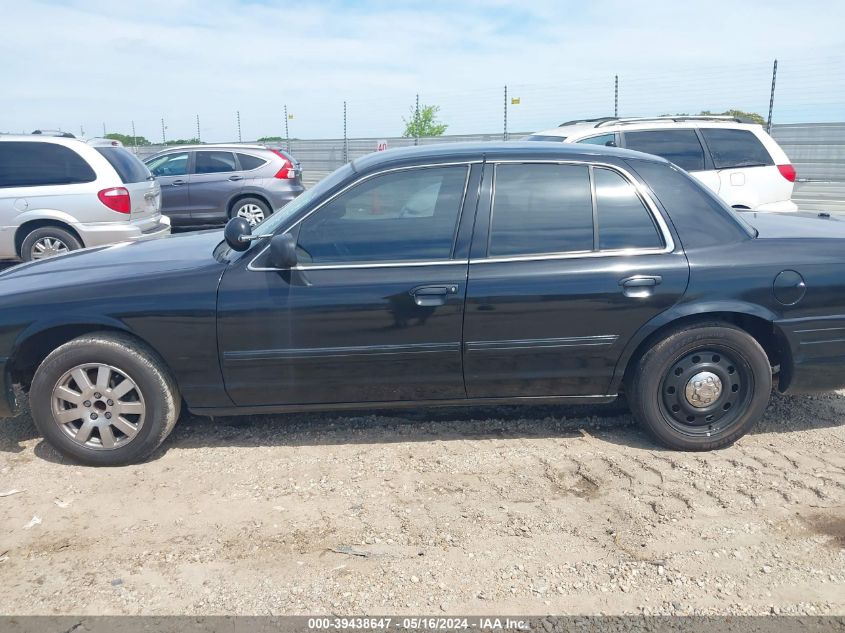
(89, 63)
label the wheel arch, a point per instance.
(30, 225)
(756, 321)
(35, 343)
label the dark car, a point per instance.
(208, 184)
(439, 275)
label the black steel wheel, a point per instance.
(701, 387)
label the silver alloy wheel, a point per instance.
(252, 213)
(98, 406)
(48, 247)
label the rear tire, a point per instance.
(252, 210)
(48, 241)
(104, 400)
(701, 387)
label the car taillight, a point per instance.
(116, 199)
(788, 172)
(287, 170)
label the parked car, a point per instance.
(453, 274)
(59, 194)
(208, 184)
(734, 157)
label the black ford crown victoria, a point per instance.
(451, 274)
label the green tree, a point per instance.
(127, 140)
(271, 139)
(183, 141)
(740, 114)
(423, 123)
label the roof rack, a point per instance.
(698, 117)
(598, 120)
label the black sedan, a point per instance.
(440, 275)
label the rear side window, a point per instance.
(215, 162)
(126, 164)
(700, 218)
(608, 140)
(249, 163)
(541, 208)
(735, 148)
(544, 137)
(623, 220)
(30, 164)
(682, 147)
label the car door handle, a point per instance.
(639, 285)
(433, 295)
(234, 178)
(176, 183)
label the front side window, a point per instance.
(735, 148)
(541, 208)
(623, 220)
(32, 164)
(400, 216)
(681, 147)
(608, 140)
(169, 165)
(214, 162)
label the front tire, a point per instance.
(104, 400)
(701, 387)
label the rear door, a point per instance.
(568, 261)
(746, 170)
(171, 172)
(216, 178)
(680, 146)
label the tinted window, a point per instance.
(543, 137)
(25, 164)
(608, 140)
(735, 148)
(623, 220)
(250, 162)
(541, 209)
(682, 147)
(125, 163)
(169, 165)
(407, 215)
(214, 162)
(700, 218)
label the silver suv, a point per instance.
(60, 194)
(208, 184)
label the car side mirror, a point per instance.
(237, 234)
(283, 251)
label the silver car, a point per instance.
(60, 194)
(208, 184)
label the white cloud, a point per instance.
(90, 62)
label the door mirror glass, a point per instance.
(236, 230)
(283, 251)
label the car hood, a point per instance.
(795, 225)
(125, 260)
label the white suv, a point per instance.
(58, 194)
(735, 158)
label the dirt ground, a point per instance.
(490, 510)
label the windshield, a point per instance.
(544, 137)
(275, 221)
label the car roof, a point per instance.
(43, 138)
(609, 125)
(518, 150)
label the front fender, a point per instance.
(682, 311)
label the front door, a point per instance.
(171, 171)
(373, 312)
(569, 260)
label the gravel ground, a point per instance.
(486, 510)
